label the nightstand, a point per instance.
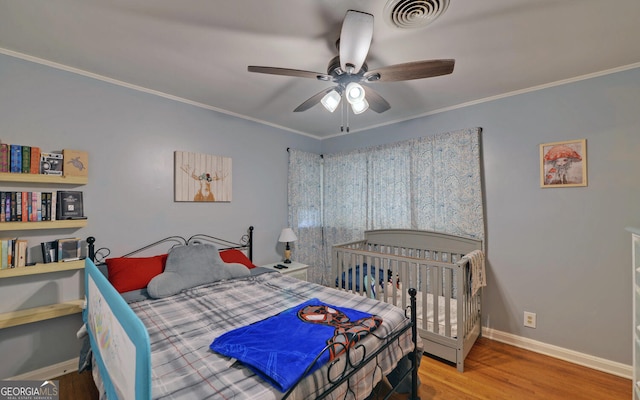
(295, 269)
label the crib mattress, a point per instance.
(434, 325)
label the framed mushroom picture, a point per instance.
(563, 164)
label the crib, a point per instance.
(388, 260)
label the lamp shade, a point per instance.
(287, 235)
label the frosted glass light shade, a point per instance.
(354, 92)
(331, 100)
(360, 106)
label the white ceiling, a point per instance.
(198, 50)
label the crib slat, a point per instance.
(447, 301)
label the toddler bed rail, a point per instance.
(448, 309)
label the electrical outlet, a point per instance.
(529, 319)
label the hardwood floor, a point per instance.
(77, 386)
(493, 370)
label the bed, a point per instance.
(142, 347)
(447, 271)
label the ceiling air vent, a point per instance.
(411, 14)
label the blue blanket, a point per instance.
(280, 348)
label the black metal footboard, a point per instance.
(350, 367)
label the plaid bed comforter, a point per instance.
(181, 327)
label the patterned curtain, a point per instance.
(430, 183)
(389, 187)
(345, 201)
(446, 184)
(305, 210)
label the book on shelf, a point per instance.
(68, 249)
(21, 253)
(45, 206)
(49, 251)
(7, 206)
(38, 206)
(3, 254)
(7, 256)
(25, 206)
(35, 160)
(15, 158)
(52, 203)
(69, 205)
(14, 206)
(33, 211)
(4, 157)
(18, 216)
(26, 160)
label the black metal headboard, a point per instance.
(245, 243)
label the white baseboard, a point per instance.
(49, 372)
(586, 360)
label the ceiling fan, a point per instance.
(349, 70)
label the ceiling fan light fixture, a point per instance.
(331, 100)
(354, 93)
(360, 106)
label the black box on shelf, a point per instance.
(69, 205)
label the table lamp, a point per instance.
(287, 236)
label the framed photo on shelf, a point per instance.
(563, 164)
(68, 249)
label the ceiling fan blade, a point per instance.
(410, 70)
(355, 40)
(313, 100)
(376, 102)
(290, 72)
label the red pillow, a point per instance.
(131, 273)
(236, 256)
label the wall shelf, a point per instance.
(24, 226)
(42, 178)
(27, 316)
(42, 269)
